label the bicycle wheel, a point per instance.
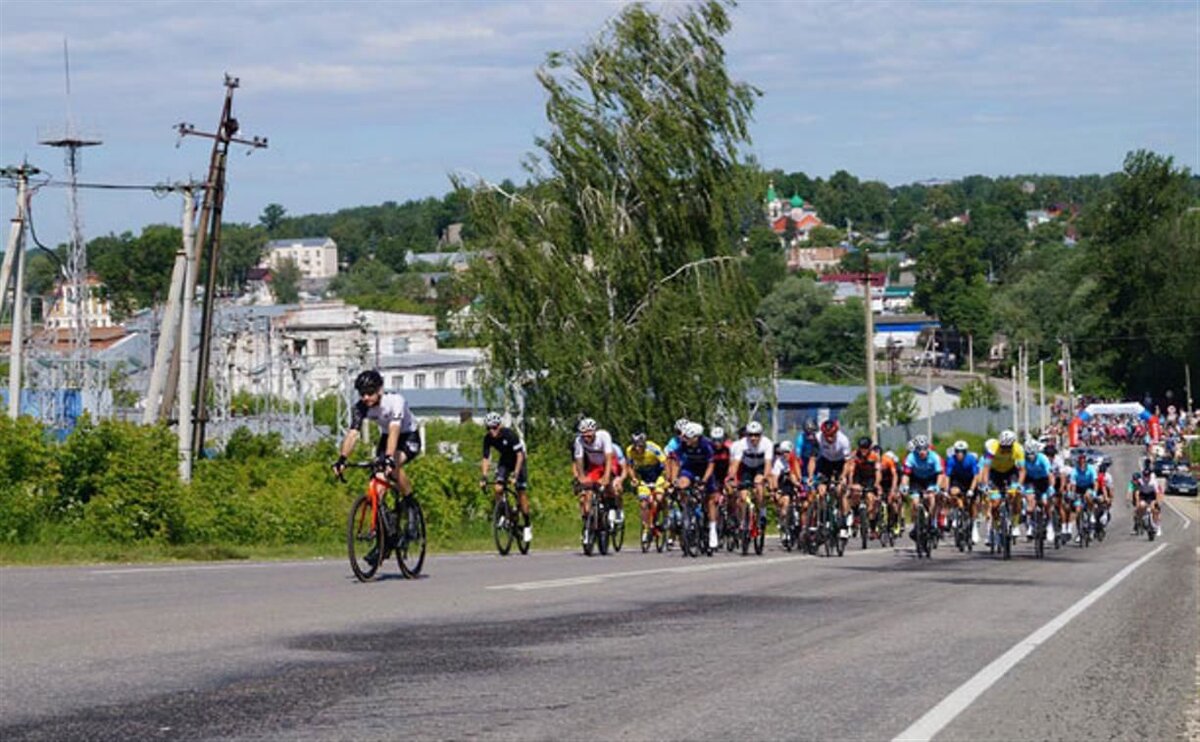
(1039, 535)
(840, 544)
(590, 526)
(410, 543)
(617, 538)
(688, 542)
(364, 539)
(1006, 535)
(660, 529)
(520, 521)
(760, 532)
(502, 516)
(602, 530)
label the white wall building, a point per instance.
(315, 256)
(97, 311)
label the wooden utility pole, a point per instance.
(210, 219)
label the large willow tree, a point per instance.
(616, 287)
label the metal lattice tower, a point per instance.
(77, 292)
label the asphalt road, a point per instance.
(560, 646)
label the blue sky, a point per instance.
(365, 102)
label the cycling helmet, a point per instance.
(910, 446)
(1081, 454)
(960, 446)
(1033, 447)
(810, 425)
(877, 448)
(829, 426)
(1137, 476)
(1050, 449)
(717, 433)
(864, 442)
(638, 439)
(492, 420)
(587, 425)
(754, 427)
(1103, 467)
(680, 424)
(693, 430)
(1007, 438)
(368, 382)
(920, 443)
(785, 447)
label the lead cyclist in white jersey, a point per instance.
(399, 440)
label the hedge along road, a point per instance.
(871, 646)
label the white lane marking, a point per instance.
(682, 569)
(596, 579)
(959, 699)
(1186, 520)
(203, 568)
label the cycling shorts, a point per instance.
(593, 473)
(709, 486)
(1001, 479)
(918, 486)
(1040, 486)
(963, 485)
(830, 470)
(645, 489)
(1148, 496)
(503, 473)
(864, 480)
(746, 475)
(408, 445)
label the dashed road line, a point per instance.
(962, 697)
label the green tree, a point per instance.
(951, 283)
(285, 282)
(787, 313)
(901, 408)
(616, 273)
(978, 393)
(271, 217)
(767, 264)
(825, 236)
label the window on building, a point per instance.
(398, 381)
(460, 377)
(399, 345)
(418, 381)
(439, 379)
(322, 347)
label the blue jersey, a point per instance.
(1038, 467)
(695, 458)
(962, 471)
(672, 445)
(1084, 478)
(926, 469)
(806, 449)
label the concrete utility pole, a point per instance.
(872, 411)
(14, 261)
(212, 211)
(1042, 422)
(1187, 375)
(1015, 410)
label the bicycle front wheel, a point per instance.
(364, 539)
(502, 531)
(410, 543)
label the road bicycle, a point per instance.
(595, 525)
(654, 526)
(832, 522)
(1000, 536)
(961, 523)
(508, 523)
(923, 526)
(752, 529)
(382, 522)
(693, 539)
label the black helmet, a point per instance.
(810, 425)
(864, 442)
(368, 382)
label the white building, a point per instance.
(97, 311)
(316, 257)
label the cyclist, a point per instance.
(672, 446)
(806, 447)
(1103, 492)
(1083, 485)
(750, 466)
(721, 448)
(645, 464)
(864, 475)
(1147, 492)
(399, 440)
(785, 479)
(694, 463)
(833, 448)
(1038, 471)
(924, 475)
(592, 465)
(962, 474)
(511, 454)
(889, 483)
(1003, 462)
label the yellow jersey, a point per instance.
(999, 460)
(648, 460)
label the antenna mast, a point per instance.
(77, 294)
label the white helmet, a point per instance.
(960, 446)
(680, 424)
(587, 425)
(492, 420)
(754, 427)
(1033, 447)
(785, 447)
(920, 442)
(717, 433)
(1007, 438)
(693, 430)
